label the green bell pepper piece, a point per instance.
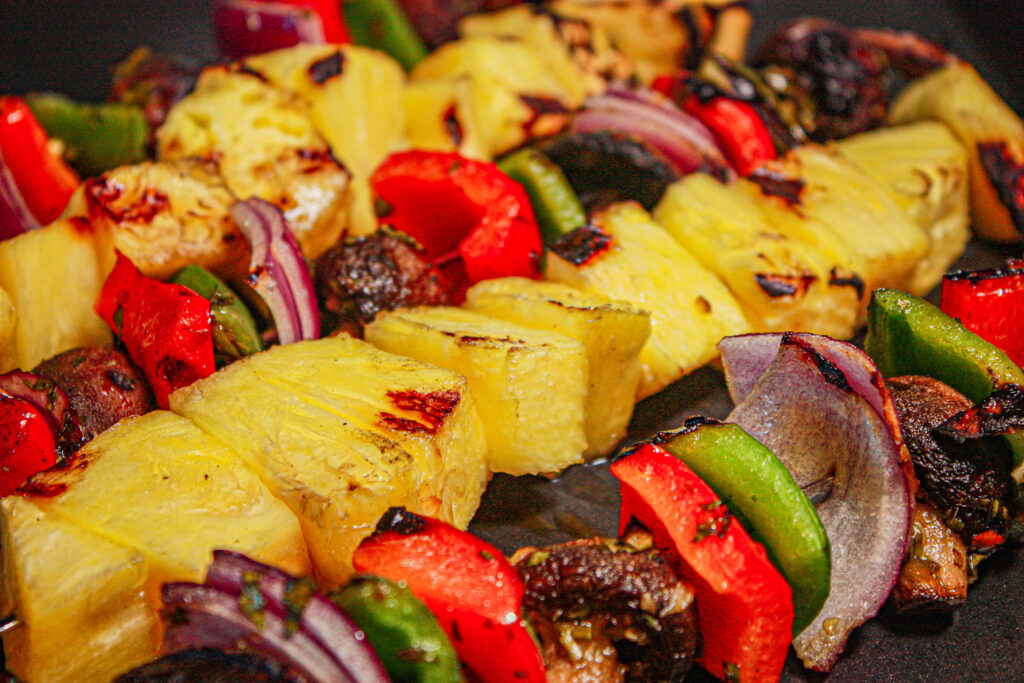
(555, 203)
(758, 489)
(234, 332)
(96, 137)
(382, 25)
(407, 637)
(908, 336)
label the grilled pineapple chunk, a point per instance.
(341, 432)
(81, 599)
(782, 281)
(530, 385)
(144, 503)
(924, 168)
(166, 215)
(691, 310)
(956, 95)
(440, 116)
(613, 333)
(52, 277)
(844, 210)
(266, 146)
(354, 98)
(514, 93)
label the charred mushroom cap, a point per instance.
(631, 597)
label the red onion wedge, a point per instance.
(278, 270)
(683, 140)
(247, 27)
(821, 406)
(15, 217)
(248, 606)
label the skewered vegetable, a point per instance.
(986, 302)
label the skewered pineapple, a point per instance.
(613, 332)
(265, 145)
(924, 168)
(440, 115)
(530, 385)
(50, 278)
(354, 99)
(368, 431)
(84, 559)
(691, 310)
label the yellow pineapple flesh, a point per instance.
(613, 332)
(332, 447)
(52, 277)
(530, 385)
(691, 309)
(354, 99)
(782, 281)
(924, 168)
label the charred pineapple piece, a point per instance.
(265, 145)
(84, 560)
(842, 209)
(51, 278)
(924, 168)
(530, 385)
(992, 133)
(782, 281)
(82, 600)
(354, 98)
(630, 257)
(440, 115)
(166, 215)
(514, 93)
(365, 431)
(613, 332)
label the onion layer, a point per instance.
(245, 605)
(278, 270)
(821, 406)
(15, 217)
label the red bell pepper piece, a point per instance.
(738, 129)
(990, 303)
(474, 592)
(331, 16)
(472, 220)
(165, 327)
(27, 440)
(44, 181)
(744, 605)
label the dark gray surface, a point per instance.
(71, 47)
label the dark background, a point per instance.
(71, 46)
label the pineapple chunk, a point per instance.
(166, 215)
(514, 94)
(81, 599)
(782, 281)
(440, 116)
(691, 310)
(341, 432)
(613, 333)
(266, 146)
(841, 203)
(924, 168)
(354, 98)
(8, 328)
(956, 95)
(52, 276)
(530, 386)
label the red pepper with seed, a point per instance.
(990, 303)
(28, 442)
(473, 221)
(474, 592)
(744, 604)
(43, 180)
(165, 327)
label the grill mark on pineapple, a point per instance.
(38, 489)
(837, 279)
(776, 285)
(431, 408)
(582, 244)
(452, 125)
(81, 225)
(327, 68)
(775, 184)
(105, 192)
